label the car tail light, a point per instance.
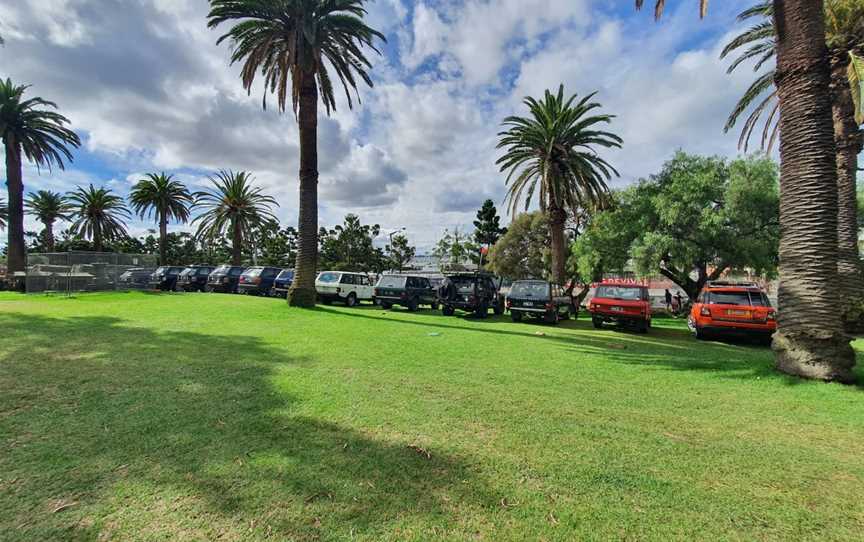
(403, 295)
(705, 311)
(509, 303)
(550, 306)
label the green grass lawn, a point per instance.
(211, 417)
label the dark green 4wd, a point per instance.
(406, 290)
(470, 292)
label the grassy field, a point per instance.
(209, 417)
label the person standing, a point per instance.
(668, 296)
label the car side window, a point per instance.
(424, 283)
(347, 279)
(364, 280)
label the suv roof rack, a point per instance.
(740, 284)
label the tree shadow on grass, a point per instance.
(178, 435)
(663, 347)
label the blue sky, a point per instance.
(148, 90)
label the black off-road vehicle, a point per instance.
(194, 278)
(405, 290)
(540, 299)
(225, 279)
(470, 292)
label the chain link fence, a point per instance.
(72, 272)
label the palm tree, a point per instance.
(234, 207)
(28, 127)
(844, 35)
(553, 150)
(810, 339)
(98, 215)
(161, 197)
(297, 39)
(48, 207)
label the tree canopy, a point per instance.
(523, 252)
(695, 219)
(349, 247)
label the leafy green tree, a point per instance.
(810, 341)
(99, 215)
(553, 152)
(232, 207)
(453, 250)
(523, 251)
(844, 24)
(697, 218)
(276, 246)
(161, 197)
(294, 44)
(349, 247)
(400, 252)
(28, 127)
(48, 207)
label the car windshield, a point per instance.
(328, 277)
(624, 293)
(737, 298)
(530, 289)
(222, 269)
(254, 272)
(464, 285)
(188, 271)
(203, 271)
(286, 274)
(391, 281)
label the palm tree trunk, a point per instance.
(16, 254)
(810, 341)
(302, 293)
(163, 238)
(557, 219)
(97, 237)
(49, 235)
(848, 139)
(236, 243)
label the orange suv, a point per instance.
(621, 302)
(733, 308)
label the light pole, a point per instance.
(390, 246)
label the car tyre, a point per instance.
(551, 317)
(447, 310)
(413, 304)
(498, 308)
(434, 305)
(386, 306)
(598, 323)
(482, 311)
(351, 300)
(516, 316)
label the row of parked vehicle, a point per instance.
(721, 308)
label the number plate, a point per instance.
(732, 312)
(528, 304)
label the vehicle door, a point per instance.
(425, 291)
(365, 289)
(347, 284)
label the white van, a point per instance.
(343, 286)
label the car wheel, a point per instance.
(351, 300)
(482, 311)
(326, 301)
(413, 304)
(447, 310)
(434, 305)
(551, 317)
(643, 326)
(498, 308)
(386, 306)
(516, 316)
(598, 323)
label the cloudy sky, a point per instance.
(146, 87)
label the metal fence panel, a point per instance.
(71, 272)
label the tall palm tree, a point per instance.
(98, 215)
(235, 208)
(844, 36)
(553, 150)
(810, 340)
(48, 207)
(28, 127)
(296, 40)
(161, 197)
